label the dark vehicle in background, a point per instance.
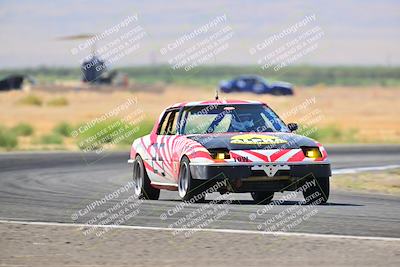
(95, 71)
(15, 82)
(257, 85)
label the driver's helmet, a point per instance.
(242, 122)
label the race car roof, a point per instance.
(215, 102)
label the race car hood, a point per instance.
(247, 141)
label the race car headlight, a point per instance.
(312, 152)
(220, 154)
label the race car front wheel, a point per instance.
(262, 198)
(143, 189)
(188, 188)
(318, 193)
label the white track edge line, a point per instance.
(232, 231)
(364, 169)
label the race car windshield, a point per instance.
(230, 118)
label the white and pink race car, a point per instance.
(229, 146)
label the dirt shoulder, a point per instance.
(338, 114)
(383, 182)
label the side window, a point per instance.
(183, 122)
(168, 124)
(172, 120)
(241, 83)
(163, 123)
(251, 81)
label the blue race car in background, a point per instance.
(256, 84)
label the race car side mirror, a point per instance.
(292, 126)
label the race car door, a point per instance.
(161, 160)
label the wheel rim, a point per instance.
(138, 178)
(183, 180)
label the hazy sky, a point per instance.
(355, 32)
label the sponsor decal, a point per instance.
(256, 139)
(241, 159)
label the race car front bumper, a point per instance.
(263, 176)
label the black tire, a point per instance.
(276, 92)
(143, 189)
(188, 188)
(318, 194)
(262, 198)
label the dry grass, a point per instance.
(385, 182)
(373, 111)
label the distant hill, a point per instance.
(212, 75)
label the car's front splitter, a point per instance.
(261, 177)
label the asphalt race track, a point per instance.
(54, 186)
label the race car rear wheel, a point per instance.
(142, 188)
(262, 198)
(319, 193)
(188, 188)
